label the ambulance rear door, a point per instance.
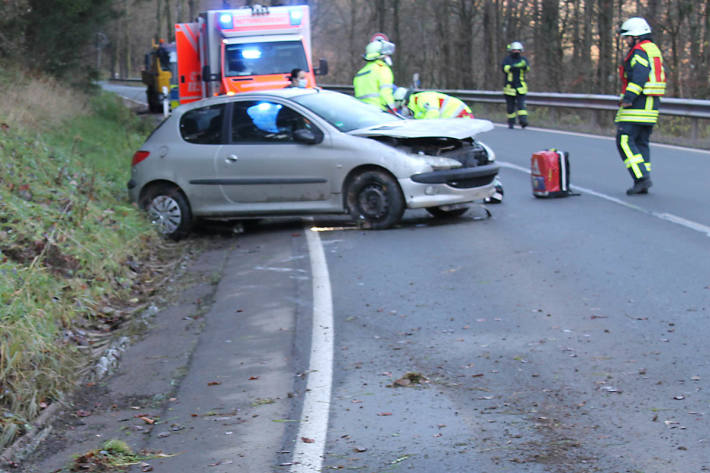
(188, 54)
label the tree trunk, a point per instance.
(552, 46)
(606, 57)
(169, 23)
(192, 6)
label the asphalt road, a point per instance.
(560, 336)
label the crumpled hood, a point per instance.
(458, 128)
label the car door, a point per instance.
(263, 168)
(191, 160)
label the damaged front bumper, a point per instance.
(451, 186)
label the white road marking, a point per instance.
(698, 227)
(611, 138)
(308, 454)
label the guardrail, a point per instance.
(692, 108)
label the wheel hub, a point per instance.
(165, 214)
(373, 201)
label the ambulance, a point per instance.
(242, 50)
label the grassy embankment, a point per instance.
(76, 259)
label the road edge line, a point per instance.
(310, 442)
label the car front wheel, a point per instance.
(439, 212)
(169, 211)
(375, 200)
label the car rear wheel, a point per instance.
(375, 200)
(439, 212)
(169, 211)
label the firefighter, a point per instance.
(429, 104)
(643, 82)
(374, 83)
(514, 67)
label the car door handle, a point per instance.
(232, 158)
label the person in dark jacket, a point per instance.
(515, 67)
(643, 82)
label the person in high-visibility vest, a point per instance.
(515, 66)
(374, 83)
(643, 83)
(429, 104)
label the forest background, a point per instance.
(453, 44)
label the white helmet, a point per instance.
(515, 45)
(635, 27)
(378, 49)
(400, 94)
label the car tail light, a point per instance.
(139, 156)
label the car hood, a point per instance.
(458, 128)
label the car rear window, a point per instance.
(203, 125)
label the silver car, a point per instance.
(305, 152)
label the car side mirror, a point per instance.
(322, 68)
(307, 137)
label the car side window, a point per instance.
(203, 125)
(266, 122)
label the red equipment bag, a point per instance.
(549, 173)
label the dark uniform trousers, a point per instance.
(632, 141)
(514, 102)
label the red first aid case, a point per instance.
(549, 173)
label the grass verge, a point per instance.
(76, 259)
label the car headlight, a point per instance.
(489, 151)
(438, 163)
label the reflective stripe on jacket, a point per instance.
(514, 71)
(432, 104)
(373, 84)
(643, 80)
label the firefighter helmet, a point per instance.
(378, 49)
(400, 95)
(515, 46)
(635, 27)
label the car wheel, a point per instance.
(169, 211)
(438, 212)
(374, 199)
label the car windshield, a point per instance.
(344, 112)
(255, 59)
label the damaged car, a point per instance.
(306, 152)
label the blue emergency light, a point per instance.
(225, 21)
(252, 53)
(296, 15)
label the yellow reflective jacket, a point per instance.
(374, 84)
(432, 104)
(514, 70)
(643, 79)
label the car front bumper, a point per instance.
(452, 186)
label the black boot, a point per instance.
(640, 187)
